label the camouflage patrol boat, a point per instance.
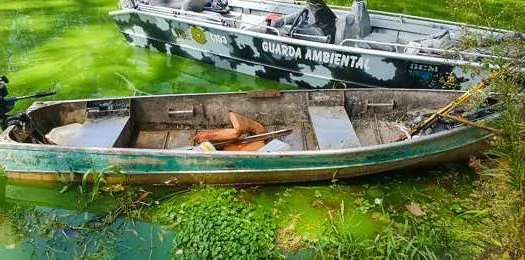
(335, 134)
(309, 44)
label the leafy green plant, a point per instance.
(96, 180)
(213, 223)
(362, 205)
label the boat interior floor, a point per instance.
(302, 138)
(320, 120)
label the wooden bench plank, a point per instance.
(332, 127)
(99, 132)
(295, 139)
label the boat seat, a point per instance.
(186, 5)
(355, 24)
(100, 132)
(333, 128)
(380, 37)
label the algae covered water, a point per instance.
(41, 221)
(74, 48)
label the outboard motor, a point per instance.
(7, 104)
(324, 18)
(316, 22)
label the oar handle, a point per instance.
(38, 95)
(253, 138)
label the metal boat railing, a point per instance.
(198, 16)
(460, 53)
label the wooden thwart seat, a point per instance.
(100, 132)
(332, 127)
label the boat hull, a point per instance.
(301, 63)
(32, 163)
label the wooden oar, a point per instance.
(448, 108)
(470, 123)
(253, 138)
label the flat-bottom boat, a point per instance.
(335, 134)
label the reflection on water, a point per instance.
(38, 221)
(75, 48)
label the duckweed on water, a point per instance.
(213, 223)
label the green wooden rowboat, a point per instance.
(336, 134)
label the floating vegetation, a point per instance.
(8, 237)
(79, 234)
(212, 223)
(375, 216)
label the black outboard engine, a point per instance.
(7, 104)
(316, 22)
(324, 18)
(3, 86)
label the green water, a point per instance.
(73, 47)
(365, 205)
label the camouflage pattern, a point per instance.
(301, 63)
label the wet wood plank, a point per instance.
(151, 139)
(311, 142)
(295, 139)
(179, 138)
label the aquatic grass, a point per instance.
(98, 180)
(415, 239)
(78, 234)
(508, 154)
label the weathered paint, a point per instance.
(287, 60)
(44, 163)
